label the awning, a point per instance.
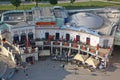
(78, 57)
(84, 57)
(90, 61)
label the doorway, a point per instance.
(88, 41)
(30, 35)
(105, 43)
(57, 36)
(16, 38)
(67, 37)
(77, 38)
(23, 38)
(46, 35)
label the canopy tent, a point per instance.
(90, 61)
(85, 57)
(78, 57)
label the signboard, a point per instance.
(45, 23)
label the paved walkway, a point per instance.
(42, 70)
(53, 70)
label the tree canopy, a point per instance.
(72, 1)
(36, 3)
(15, 3)
(53, 2)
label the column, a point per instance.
(60, 48)
(51, 47)
(78, 48)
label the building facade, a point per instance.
(52, 28)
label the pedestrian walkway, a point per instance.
(55, 70)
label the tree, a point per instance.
(53, 2)
(15, 3)
(36, 3)
(72, 1)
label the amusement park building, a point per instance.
(87, 32)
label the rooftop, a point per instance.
(88, 20)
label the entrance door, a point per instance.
(30, 35)
(46, 35)
(23, 38)
(77, 38)
(67, 37)
(16, 38)
(57, 36)
(88, 41)
(105, 43)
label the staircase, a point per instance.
(8, 74)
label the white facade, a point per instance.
(21, 30)
(94, 40)
(91, 33)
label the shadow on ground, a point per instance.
(114, 60)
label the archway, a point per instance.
(67, 37)
(30, 35)
(23, 38)
(46, 35)
(77, 38)
(31, 38)
(57, 36)
(88, 41)
(16, 38)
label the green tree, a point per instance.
(36, 3)
(72, 1)
(53, 2)
(15, 3)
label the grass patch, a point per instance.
(77, 5)
(116, 0)
(92, 4)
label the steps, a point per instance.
(9, 73)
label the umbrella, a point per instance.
(78, 57)
(90, 61)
